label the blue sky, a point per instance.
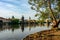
(16, 8)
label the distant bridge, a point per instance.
(4, 19)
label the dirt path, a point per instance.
(53, 34)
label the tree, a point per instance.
(13, 17)
(15, 21)
(47, 9)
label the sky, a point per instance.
(16, 8)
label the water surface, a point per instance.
(18, 32)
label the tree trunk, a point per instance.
(52, 15)
(56, 24)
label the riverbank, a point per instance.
(53, 34)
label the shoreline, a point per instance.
(42, 34)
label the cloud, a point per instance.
(25, 5)
(5, 13)
(8, 13)
(7, 9)
(5, 5)
(17, 8)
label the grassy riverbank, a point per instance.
(53, 34)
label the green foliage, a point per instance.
(13, 17)
(15, 21)
(42, 7)
(43, 15)
(37, 15)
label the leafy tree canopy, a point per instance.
(42, 8)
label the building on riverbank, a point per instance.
(4, 20)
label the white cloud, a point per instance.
(3, 4)
(8, 13)
(8, 10)
(25, 5)
(10, 5)
(9, 0)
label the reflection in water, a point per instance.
(22, 27)
(30, 26)
(1, 23)
(13, 27)
(18, 32)
(1, 26)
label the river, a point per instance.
(18, 32)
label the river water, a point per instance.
(18, 32)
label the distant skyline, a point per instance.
(17, 8)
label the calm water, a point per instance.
(18, 32)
